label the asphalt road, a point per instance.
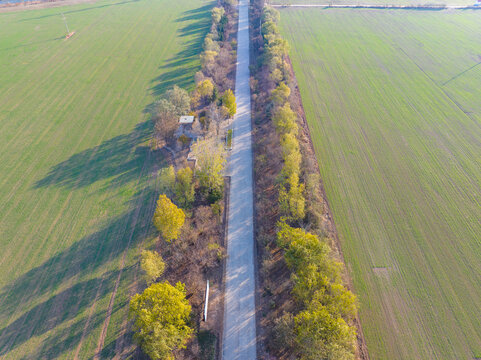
(239, 313)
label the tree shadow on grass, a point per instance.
(120, 158)
(81, 259)
(60, 308)
(176, 71)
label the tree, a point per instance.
(228, 100)
(167, 180)
(166, 121)
(206, 89)
(210, 164)
(319, 335)
(179, 98)
(291, 155)
(217, 14)
(211, 45)
(161, 314)
(280, 94)
(302, 248)
(208, 60)
(184, 187)
(152, 264)
(285, 120)
(168, 218)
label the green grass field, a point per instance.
(393, 104)
(76, 173)
(377, 2)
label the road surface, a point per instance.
(239, 313)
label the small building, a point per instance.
(186, 120)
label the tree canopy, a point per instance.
(168, 218)
(161, 314)
(152, 265)
(211, 159)
(184, 187)
(228, 100)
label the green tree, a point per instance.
(167, 181)
(206, 89)
(168, 218)
(184, 187)
(152, 265)
(211, 159)
(285, 120)
(280, 94)
(180, 99)
(320, 335)
(161, 314)
(302, 248)
(217, 14)
(228, 100)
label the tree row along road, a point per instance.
(239, 338)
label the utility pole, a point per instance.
(65, 22)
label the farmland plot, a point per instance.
(392, 101)
(76, 172)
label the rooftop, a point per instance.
(186, 120)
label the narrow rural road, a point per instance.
(239, 313)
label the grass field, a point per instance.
(392, 101)
(377, 2)
(76, 173)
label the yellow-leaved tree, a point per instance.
(168, 218)
(161, 314)
(152, 265)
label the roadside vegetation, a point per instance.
(393, 107)
(189, 216)
(308, 310)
